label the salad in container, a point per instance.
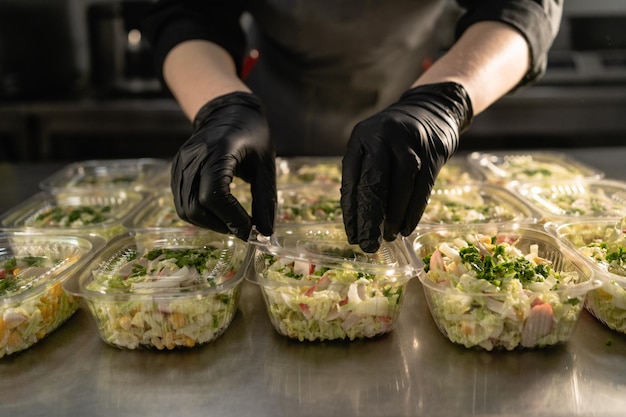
(136, 174)
(502, 287)
(603, 243)
(561, 201)
(504, 168)
(159, 290)
(33, 267)
(475, 203)
(75, 211)
(318, 287)
(309, 203)
(308, 170)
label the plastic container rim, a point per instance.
(602, 274)
(582, 267)
(96, 243)
(270, 245)
(77, 287)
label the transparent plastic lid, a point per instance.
(164, 265)
(31, 261)
(567, 199)
(477, 203)
(458, 171)
(327, 245)
(159, 212)
(603, 243)
(308, 170)
(73, 209)
(520, 167)
(115, 173)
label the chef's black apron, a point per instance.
(325, 65)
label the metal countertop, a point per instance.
(253, 371)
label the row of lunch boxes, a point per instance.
(506, 261)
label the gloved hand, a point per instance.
(393, 158)
(230, 138)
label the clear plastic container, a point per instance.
(502, 287)
(562, 201)
(318, 287)
(33, 267)
(162, 179)
(163, 290)
(159, 212)
(477, 203)
(504, 168)
(603, 243)
(309, 204)
(308, 170)
(458, 171)
(162, 182)
(75, 211)
(135, 174)
(327, 170)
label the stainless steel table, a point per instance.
(253, 371)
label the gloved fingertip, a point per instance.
(242, 233)
(352, 238)
(369, 246)
(390, 237)
(407, 231)
(265, 230)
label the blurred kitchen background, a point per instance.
(77, 82)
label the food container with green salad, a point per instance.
(506, 168)
(307, 203)
(458, 171)
(308, 170)
(502, 286)
(565, 200)
(318, 287)
(158, 213)
(75, 211)
(475, 203)
(163, 290)
(603, 242)
(33, 267)
(136, 174)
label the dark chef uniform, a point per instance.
(327, 64)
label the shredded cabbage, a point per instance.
(318, 303)
(485, 292)
(608, 303)
(136, 314)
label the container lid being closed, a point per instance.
(317, 286)
(325, 245)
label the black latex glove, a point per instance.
(393, 158)
(231, 138)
